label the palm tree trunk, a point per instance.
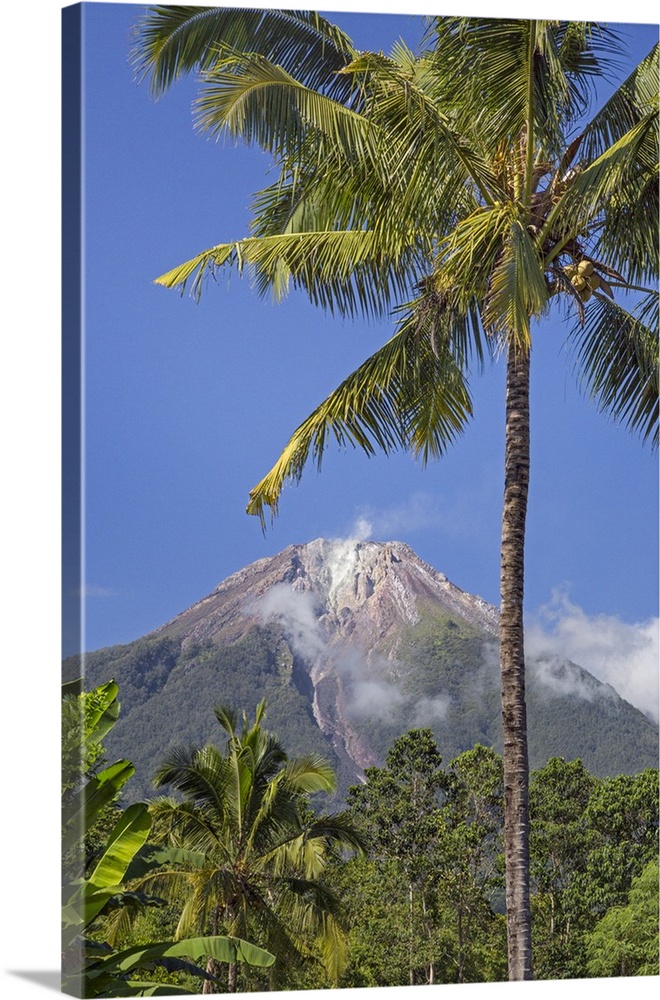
(232, 967)
(213, 967)
(411, 936)
(512, 664)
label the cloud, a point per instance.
(374, 698)
(368, 689)
(564, 679)
(622, 654)
(295, 610)
(421, 511)
(430, 710)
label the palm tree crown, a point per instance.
(252, 855)
(454, 187)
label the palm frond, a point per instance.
(375, 408)
(636, 97)
(350, 272)
(198, 773)
(333, 944)
(227, 717)
(487, 66)
(307, 199)
(628, 239)
(339, 833)
(614, 183)
(311, 773)
(252, 98)
(179, 823)
(486, 57)
(617, 358)
(425, 155)
(279, 928)
(445, 313)
(517, 288)
(171, 41)
(466, 257)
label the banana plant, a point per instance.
(92, 968)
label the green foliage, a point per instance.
(421, 905)
(624, 815)
(167, 686)
(90, 965)
(434, 838)
(434, 870)
(625, 941)
(590, 839)
(87, 718)
(244, 851)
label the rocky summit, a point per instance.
(352, 643)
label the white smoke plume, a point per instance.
(377, 698)
(421, 511)
(295, 610)
(369, 688)
(430, 710)
(622, 654)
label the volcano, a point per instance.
(351, 644)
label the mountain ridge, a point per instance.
(352, 643)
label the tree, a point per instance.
(249, 857)
(625, 940)
(590, 838)
(623, 812)
(451, 186)
(434, 840)
(561, 839)
(398, 810)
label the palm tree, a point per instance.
(461, 188)
(250, 852)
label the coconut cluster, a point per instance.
(584, 278)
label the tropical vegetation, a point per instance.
(95, 886)
(253, 854)
(235, 882)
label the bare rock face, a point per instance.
(363, 590)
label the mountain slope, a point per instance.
(353, 643)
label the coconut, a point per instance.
(585, 267)
(579, 282)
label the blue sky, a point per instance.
(188, 405)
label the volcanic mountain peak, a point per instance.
(348, 578)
